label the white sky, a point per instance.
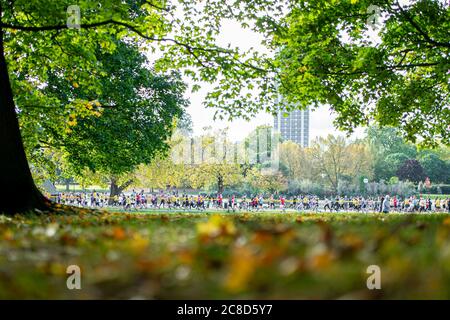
(321, 120)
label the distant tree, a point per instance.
(384, 142)
(411, 170)
(335, 159)
(295, 162)
(290, 159)
(214, 164)
(259, 145)
(435, 168)
(162, 172)
(387, 140)
(184, 124)
(393, 162)
(266, 183)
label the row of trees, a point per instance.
(393, 156)
(380, 162)
(332, 165)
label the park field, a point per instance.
(231, 256)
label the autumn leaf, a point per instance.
(216, 226)
(139, 243)
(118, 233)
(242, 266)
(446, 222)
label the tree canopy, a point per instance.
(127, 124)
(435, 168)
(393, 73)
(411, 170)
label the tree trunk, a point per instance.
(19, 193)
(220, 183)
(114, 190)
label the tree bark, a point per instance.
(19, 193)
(116, 190)
(220, 183)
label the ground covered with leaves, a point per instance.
(245, 255)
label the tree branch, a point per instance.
(126, 185)
(166, 9)
(191, 49)
(419, 29)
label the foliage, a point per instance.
(393, 162)
(383, 143)
(435, 168)
(161, 173)
(411, 170)
(336, 160)
(184, 34)
(306, 186)
(128, 123)
(296, 162)
(265, 183)
(394, 74)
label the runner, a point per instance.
(282, 204)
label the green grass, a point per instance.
(209, 255)
(434, 196)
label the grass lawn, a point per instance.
(210, 255)
(434, 196)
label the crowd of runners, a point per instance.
(142, 200)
